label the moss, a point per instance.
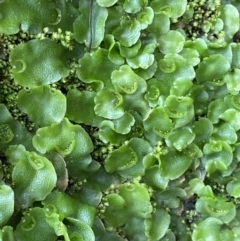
(132, 117)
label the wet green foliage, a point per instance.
(119, 120)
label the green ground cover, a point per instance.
(119, 120)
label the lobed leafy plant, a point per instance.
(119, 120)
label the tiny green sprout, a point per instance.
(6, 134)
